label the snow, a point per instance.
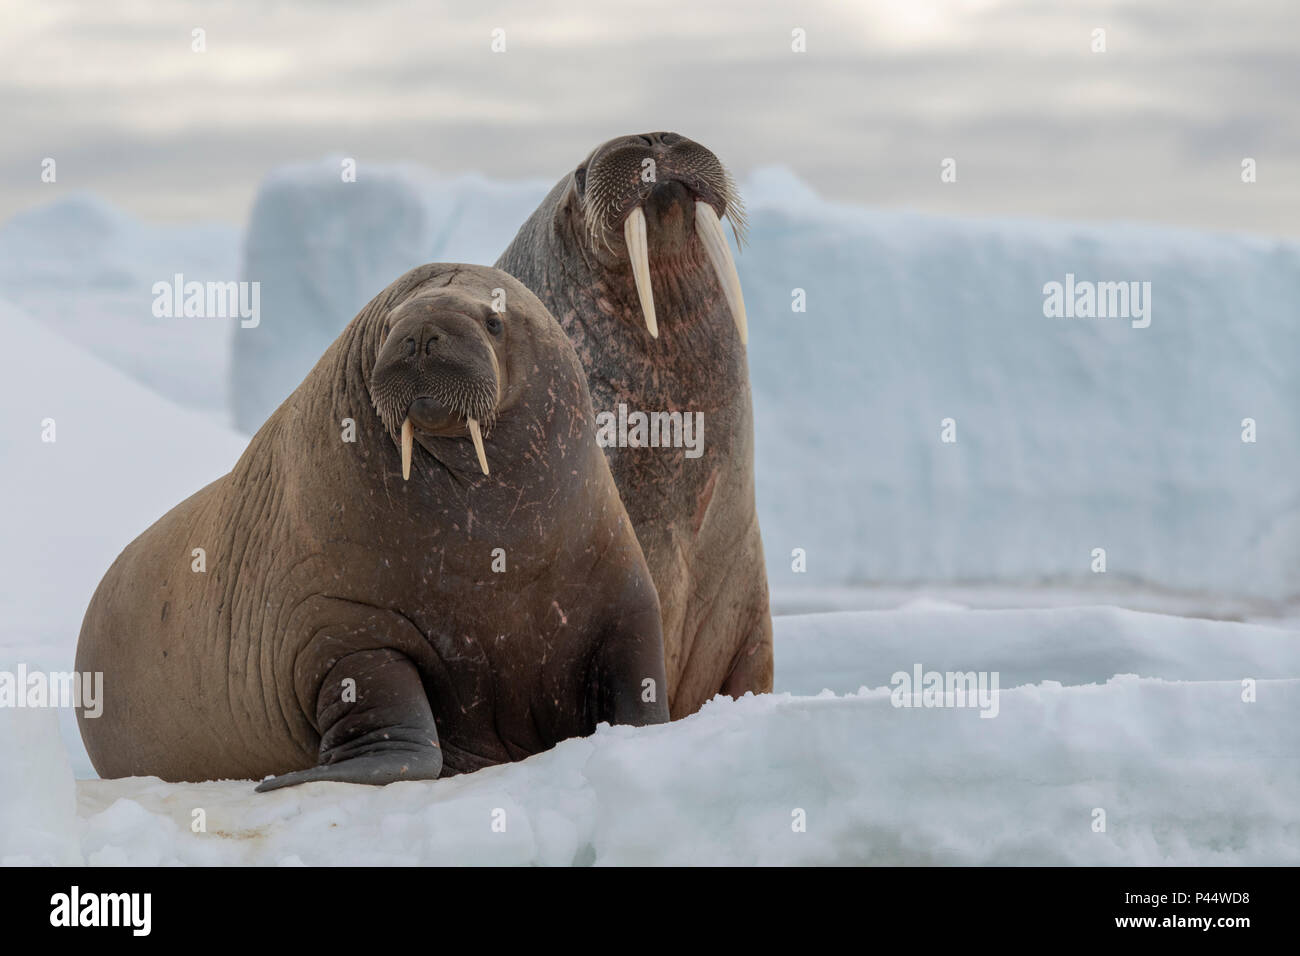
(1072, 434)
(120, 459)
(1140, 715)
(810, 600)
(1075, 645)
(1184, 769)
(86, 270)
(38, 795)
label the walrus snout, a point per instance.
(438, 371)
(632, 171)
(669, 209)
(435, 416)
(664, 190)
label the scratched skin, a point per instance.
(324, 565)
(695, 518)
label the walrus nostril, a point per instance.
(429, 340)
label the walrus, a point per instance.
(629, 253)
(457, 587)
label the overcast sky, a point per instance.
(1154, 129)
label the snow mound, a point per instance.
(844, 651)
(1183, 767)
(1071, 434)
(87, 270)
(38, 796)
(1184, 773)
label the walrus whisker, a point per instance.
(709, 229)
(638, 251)
(734, 209)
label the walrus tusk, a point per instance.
(715, 244)
(477, 436)
(639, 252)
(408, 437)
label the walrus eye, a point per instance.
(581, 178)
(494, 324)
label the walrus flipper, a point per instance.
(752, 669)
(375, 722)
(632, 686)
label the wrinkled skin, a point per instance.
(695, 518)
(326, 570)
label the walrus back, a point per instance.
(124, 637)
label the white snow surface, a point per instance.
(1184, 769)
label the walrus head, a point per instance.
(440, 370)
(659, 198)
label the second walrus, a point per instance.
(629, 254)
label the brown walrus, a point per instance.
(629, 254)
(354, 625)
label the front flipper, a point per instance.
(632, 688)
(375, 722)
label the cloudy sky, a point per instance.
(1155, 128)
